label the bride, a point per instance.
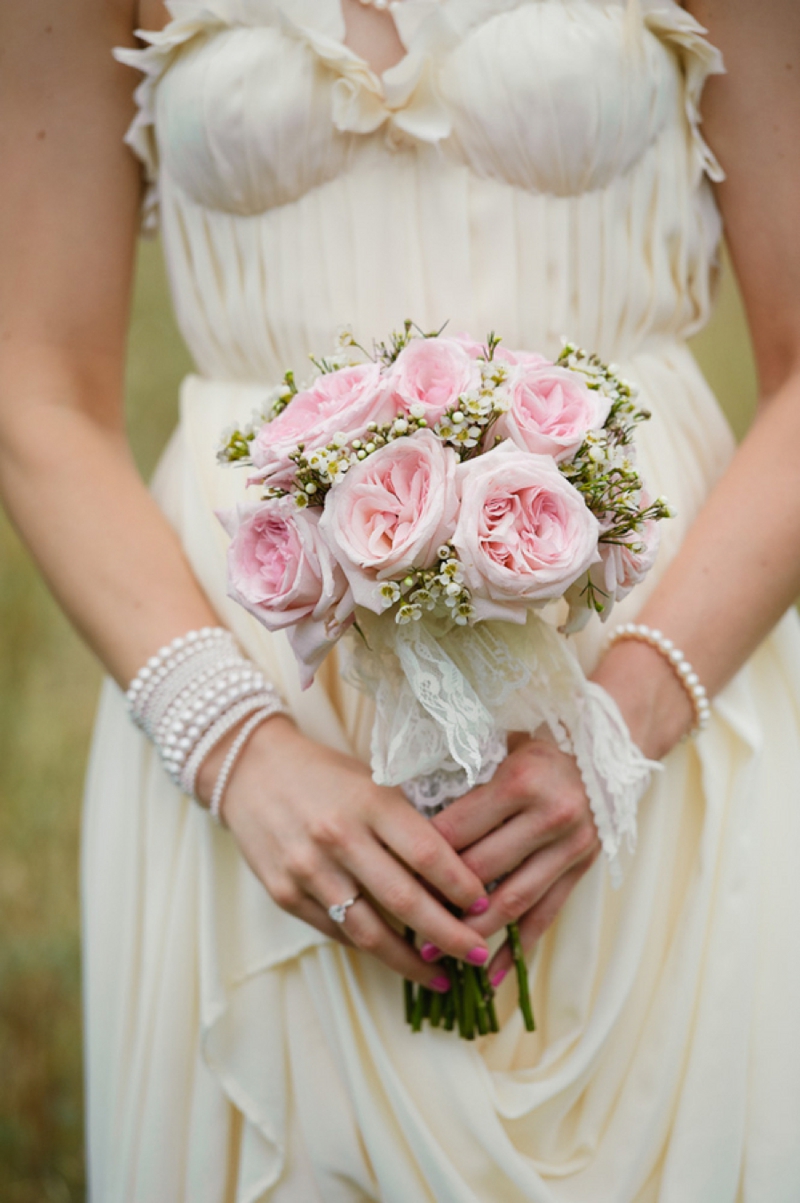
(532, 166)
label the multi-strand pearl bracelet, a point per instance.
(190, 695)
(688, 678)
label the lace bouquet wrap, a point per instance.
(431, 497)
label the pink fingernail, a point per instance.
(478, 956)
(480, 907)
(498, 977)
(440, 984)
(429, 952)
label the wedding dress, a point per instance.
(533, 167)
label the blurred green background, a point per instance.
(48, 688)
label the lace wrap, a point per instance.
(446, 698)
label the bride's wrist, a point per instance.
(268, 737)
(653, 702)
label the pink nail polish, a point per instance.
(478, 956)
(440, 984)
(497, 978)
(429, 952)
(480, 907)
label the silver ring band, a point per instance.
(338, 912)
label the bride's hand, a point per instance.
(316, 830)
(530, 825)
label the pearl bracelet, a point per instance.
(688, 678)
(232, 755)
(191, 693)
(269, 700)
(167, 661)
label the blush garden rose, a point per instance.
(284, 573)
(524, 533)
(551, 410)
(391, 513)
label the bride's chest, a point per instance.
(557, 96)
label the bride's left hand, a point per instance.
(532, 826)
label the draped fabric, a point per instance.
(534, 167)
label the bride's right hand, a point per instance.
(316, 830)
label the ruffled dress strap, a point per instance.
(699, 59)
(189, 20)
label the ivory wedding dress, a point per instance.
(533, 167)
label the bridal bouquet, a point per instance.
(433, 496)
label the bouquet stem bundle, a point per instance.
(469, 1003)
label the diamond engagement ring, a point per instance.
(338, 912)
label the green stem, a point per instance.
(408, 994)
(437, 1006)
(473, 985)
(488, 995)
(457, 991)
(522, 976)
(450, 1009)
(469, 1003)
(419, 1009)
(408, 986)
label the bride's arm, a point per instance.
(739, 568)
(69, 194)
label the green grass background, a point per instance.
(48, 688)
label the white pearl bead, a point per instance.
(698, 691)
(675, 656)
(692, 678)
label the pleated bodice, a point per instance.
(530, 166)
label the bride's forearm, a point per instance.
(70, 486)
(737, 572)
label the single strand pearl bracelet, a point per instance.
(233, 754)
(688, 678)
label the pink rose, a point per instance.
(280, 569)
(551, 410)
(341, 402)
(524, 533)
(431, 373)
(620, 567)
(391, 512)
